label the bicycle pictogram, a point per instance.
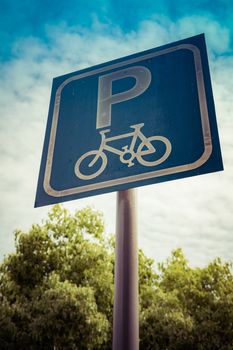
(127, 154)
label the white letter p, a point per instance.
(106, 99)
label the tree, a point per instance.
(190, 308)
(56, 292)
(57, 289)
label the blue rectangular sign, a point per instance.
(138, 120)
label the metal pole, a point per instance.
(125, 315)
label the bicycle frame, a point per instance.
(127, 153)
(126, 149)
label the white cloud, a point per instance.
(218, 37)
(194, 213)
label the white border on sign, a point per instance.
(128, 179)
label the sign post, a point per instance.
(125, 316)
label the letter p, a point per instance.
(106, 99)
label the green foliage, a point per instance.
(66, 317)
(56, 292)
(190, 308)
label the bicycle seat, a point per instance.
(104, 131)
(137, 126)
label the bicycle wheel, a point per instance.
(162, 158)
(90, 164)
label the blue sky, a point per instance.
(31, 18)
(44, 39)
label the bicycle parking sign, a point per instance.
(138, 120)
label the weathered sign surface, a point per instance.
(138, 120)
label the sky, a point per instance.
(44, 39)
